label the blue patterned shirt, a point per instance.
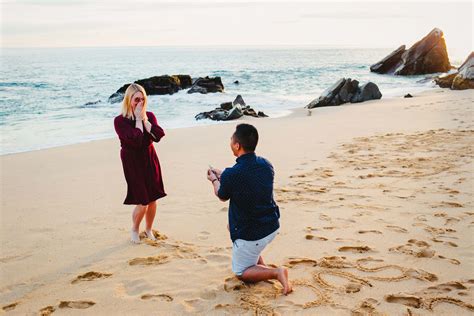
(253, 214)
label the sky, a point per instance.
(93, 23)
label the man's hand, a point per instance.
(211, 176)
(217, 172)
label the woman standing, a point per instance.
(137, 129)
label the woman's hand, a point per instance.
(139, 112)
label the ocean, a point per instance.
(44, 91)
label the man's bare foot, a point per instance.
(283, 278)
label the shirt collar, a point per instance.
(246, 157)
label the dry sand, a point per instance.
(376, 207)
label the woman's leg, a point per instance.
(150, 217)
(137, 216)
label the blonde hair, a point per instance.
(127, 110)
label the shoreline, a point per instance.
(291, 113)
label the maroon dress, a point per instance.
(139, 160)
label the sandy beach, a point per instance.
(377, 218)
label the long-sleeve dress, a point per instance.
(139, 160)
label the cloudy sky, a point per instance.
(72, 23)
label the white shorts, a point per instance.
(245, 253)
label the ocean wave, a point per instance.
(36, 85)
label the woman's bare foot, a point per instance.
(283, 278)
(134, 237)
(149, 234)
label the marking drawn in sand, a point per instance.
(90, 276)
(420, 249)
(354, 286)
(425, 302)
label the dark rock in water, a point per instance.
(390, 62)
(116, 97)
(429, 55)
(408, 96)
(185, 81)
(206, 85)
(327, 98)
(250, 112)
(368, 91)
(445, 81)
(157, 85)
(460, 80)
(91, 103)
(160, 85)
(236, 82)
(230, 111)
(239, 100)
(346, 90)
(227, 106)
(235, 113)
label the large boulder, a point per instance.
(346, 90)
(230, 111)
(157, 85)
(390, 62)
(206, 85)
(368, 91)
(460, 80)
(429, 55)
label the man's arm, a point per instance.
(216, 184)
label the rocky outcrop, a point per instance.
(206, 85)
(157, 85)
(346, 90)
(460, 80)
(429, 55)
(230, 111)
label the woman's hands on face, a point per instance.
(139, 112)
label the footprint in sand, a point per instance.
(397, 229)
(405, 299)
(356, 249)
(448, 204)
(291, 262)
(46, 311)
(157, 234)
(369, 231)
(312, 237)
(10, 307)
(204, 235)
(366, 307)
(161, 297)
(90, 276)
(76, 304)
(416, 248)
(160, 259)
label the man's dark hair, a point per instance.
(247, 136)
